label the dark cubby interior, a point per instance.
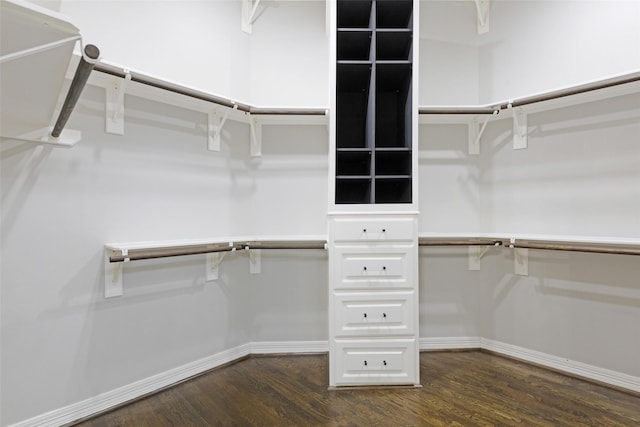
(353, 191)
(394, 13)
(393, 105)
(353, 162)
(374, 101)
(393, 190)
(397, 162)
(393, 45)
(354, 13)
(354, 45)
(352, 101)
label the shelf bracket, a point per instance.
(520, 259)
(215, 125)
(482, 7)
(255, 258)
(476, 253)
(256, 137)
(475, 134)
(114, 119)
(519, 127)
(213, 263)
(113, 275)
(249, 8)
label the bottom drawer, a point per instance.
(379, 362)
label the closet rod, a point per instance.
(77, 84)
(315, 244)
(459, 110)
(431, 242)
(588, 87)
(193, 93)
(166, 253)
(577, 248)
(171, 87)
(140, 254)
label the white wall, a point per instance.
(448, 53)
(579, 176)
(536, 46)
(289, 55)
(62, 342)
(200, 44)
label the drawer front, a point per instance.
(373, 229)
(374, 314)
(376, 362)
(374, 269)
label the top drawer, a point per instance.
(362, 229)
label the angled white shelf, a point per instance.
(117, 254)
(35, 50)
(476, 117)
(480, 243)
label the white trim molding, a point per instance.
(450, 343)
(286, 347)
(110, 399)
(569, 366)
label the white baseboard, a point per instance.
(449, 343)
(573, 367)
(157, 382)
(276, 347)
(134, 390)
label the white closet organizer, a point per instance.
(373, 218)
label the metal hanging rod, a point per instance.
(453, 242)
(140, 254)
(459, 110)
(561, 93)
(85, 66)
(193, 93)
(577, 248)
(315, 244)
(171, 87)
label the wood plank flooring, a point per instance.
(469, 388)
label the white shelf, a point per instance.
(595, 90)
(148, 86)
(113, 283)
(605, 241)
(37, 45)
(168, 244)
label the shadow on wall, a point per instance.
(602, 278)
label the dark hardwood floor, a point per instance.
(469, 388)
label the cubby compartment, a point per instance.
(373, 114)
(393, 162)
(353, 190)
(352, 104)
(394, 13)
(354, 45)
(393, 190)
(354, 14)
(393, 45)
(353, 162)
(393, 105)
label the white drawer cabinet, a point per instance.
(374, 314)
(375, 362)
(373, 300)
(379, 267)
(362, 230)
